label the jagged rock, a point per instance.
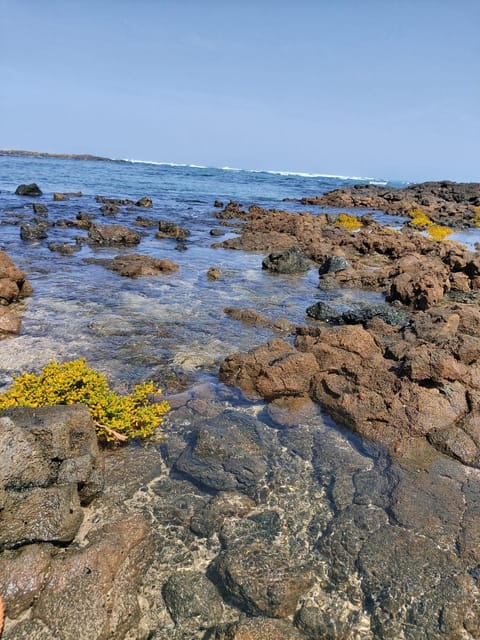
(274, 370)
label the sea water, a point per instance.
(135, 328)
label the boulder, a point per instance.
(144, 202)
(191, 595)
(273, 370)
(49, 467)
(28, 190)
(167, 229)
(226, 454)
(418, 281)
(291, 260)
(39, 209)
(33, 231)
(112, 234)
(333, 264)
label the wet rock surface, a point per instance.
(13, 287)
(135, 265)
(28, 190)
(111, 235)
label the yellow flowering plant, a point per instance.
(116, 417)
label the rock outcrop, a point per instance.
(448, 203)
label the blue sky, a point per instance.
(353, 87)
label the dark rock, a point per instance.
(141, 221)
(227, 454)
(190, 595)
(168, 229)
(217, 232)
(109, 209)
(218, 204)
(334, 264)
(387, 313)
(214, 274)
(39, 209)
(112, 234)
(144, 202)
(33, 231)
(28, 190)
(261, 579)
(49, 464)
(224, 505)
(290, 261)
(323, 311)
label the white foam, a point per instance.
(300, 174)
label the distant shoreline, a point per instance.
(44, 154)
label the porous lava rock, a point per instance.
(50, 466)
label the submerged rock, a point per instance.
(136, 265)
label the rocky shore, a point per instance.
(259, 517)
(449, 203)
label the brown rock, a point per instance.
(256, 629)
(106, 573)
(274, 370)
(112, 234)
(22, 575)
(137, 265)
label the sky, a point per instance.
(384, 89)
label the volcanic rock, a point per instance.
(291, 260)
(28, 190)
(112, 234)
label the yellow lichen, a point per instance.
(437, 232)
(349, 222)
(476, 217)
(419, 218)
(116, 417)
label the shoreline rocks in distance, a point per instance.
(445, 202)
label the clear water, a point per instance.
(134, 328)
